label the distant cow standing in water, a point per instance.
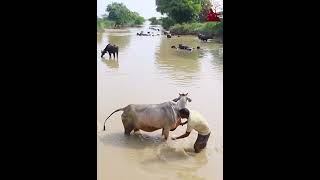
(205, 37)
(110, 48)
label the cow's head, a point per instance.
(103, 52)
(182, 100)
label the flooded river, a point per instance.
(149, 71)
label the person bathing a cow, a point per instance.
(197, 122)
(111, 49)
(151, 117)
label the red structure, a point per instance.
(213, 16)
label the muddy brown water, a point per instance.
(149, 71)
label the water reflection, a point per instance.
(171, 158)
(99, 37)
(134, 141)
(120, 39)
(214, 52)
(111, 63)
(159, 157)
(180, 65)
(217, 60)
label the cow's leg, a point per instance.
(162, 134)
(127, 130)
(114, 55)
(127, 124)
(128, 127)
(166, 131)
(109, 55)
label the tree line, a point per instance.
(119, 15)
(187, 17)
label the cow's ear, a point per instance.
(175, 100)
(187, 94)
(180, 94)
(189, 99)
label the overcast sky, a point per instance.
(146, 8)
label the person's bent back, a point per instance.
(197, 122)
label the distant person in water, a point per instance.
(197, 122)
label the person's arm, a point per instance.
(183, 123)
(182, 136)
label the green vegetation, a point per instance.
(184, 11)
(167, 22)
(208, 28)
(155, 21)
(187, 28)
(181, 11)
(103, 24)
(183, 17)
(188, 17)
(122, 16)
(205, 7)
(135, 19)
(118, 15)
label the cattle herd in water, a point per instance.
(166, 115)
(113, 49)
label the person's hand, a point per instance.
(173, 138)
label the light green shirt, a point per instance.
(197, 122)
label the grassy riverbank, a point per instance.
(104, 24)
(189, 17)
(209, 28)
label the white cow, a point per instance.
(151, 117)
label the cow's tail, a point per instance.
(104, 124)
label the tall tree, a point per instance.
(119, 13)
(154, 21)
(180, 10)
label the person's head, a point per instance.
(184, 113)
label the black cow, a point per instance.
(184, 47)
(110, 48)
(204, 37)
